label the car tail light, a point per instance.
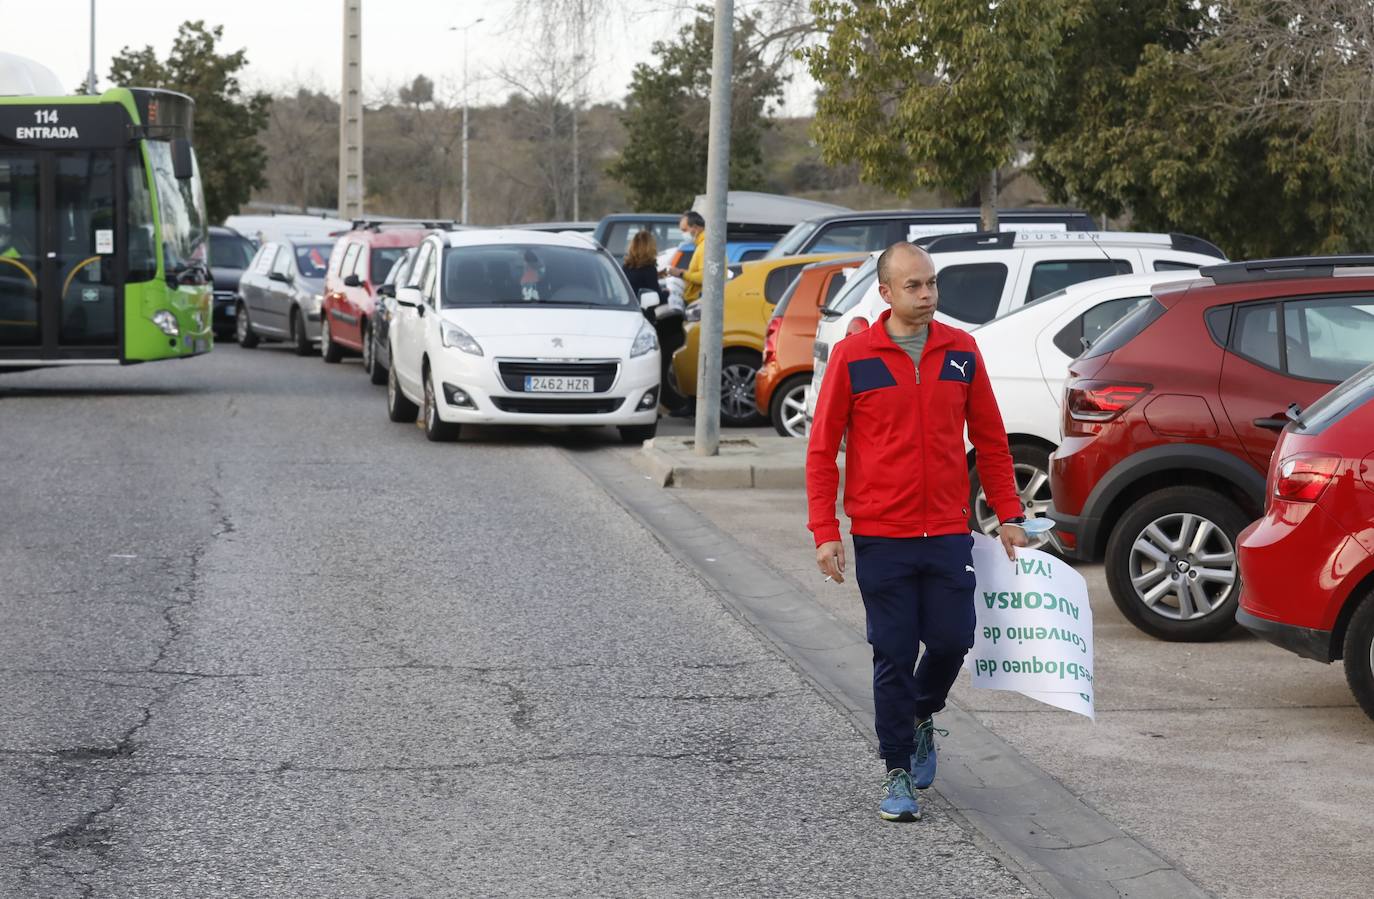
(1101, 400)
(1302, 478)
(770, 340)
(856, 324)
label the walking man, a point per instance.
(901, 393)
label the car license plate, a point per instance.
(542, 384)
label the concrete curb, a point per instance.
(764, 462)
(1056, 843)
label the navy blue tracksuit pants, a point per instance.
(916, 590)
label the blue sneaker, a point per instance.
(900, 803)
(923, 759)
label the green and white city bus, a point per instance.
(102, 230)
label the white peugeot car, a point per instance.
(521, 327)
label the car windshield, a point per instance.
(383, 258)
(792, 241)
(855, 288)
(230, 251)
(313, 258)
(528, 274)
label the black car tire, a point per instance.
(243, 329)
(777, 408)
(738, 370)
(1160, 508)
(375, 372)
(298, 335)
(436, 429)
(1358, 653)
(634, 434)
(1029, 460)
(398, 408)
(329, 350)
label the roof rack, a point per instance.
(972, 240)
(1282, 268)
(379, 224)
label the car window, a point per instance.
(1328, 340)
(857, 236)
(380, 261)
(423, 260)
(282, 264)
(401, 269)
(1049, 276)
(1255, 334)
(266, 255)
(528, 274)
(230, 251)
(1088, 328)
(792, 241)
(350, 260)
(619, 234)
(1169, 265)
(972, 293)
(833, 288)
(313, 258)
(777, 281)
(751, 255)
(855, 289)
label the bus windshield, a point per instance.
(180, 203)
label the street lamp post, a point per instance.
(464, 29)
(90, 73)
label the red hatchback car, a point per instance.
(357, 267)
(1308, 564)
(1170, 419)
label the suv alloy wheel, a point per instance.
(788, 411)
(1031, 468)
(1171, 563)
(738, 371)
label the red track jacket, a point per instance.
(906, 474)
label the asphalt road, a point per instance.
(255, 640)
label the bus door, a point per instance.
(60, 295)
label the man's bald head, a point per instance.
(891, 254)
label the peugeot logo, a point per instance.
(558, 342)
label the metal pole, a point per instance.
(90, 73)
(351, 114)
(464, 217)
(713, 267)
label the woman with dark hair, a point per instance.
(641, 267)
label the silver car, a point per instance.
(280, 294)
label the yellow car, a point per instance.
(749, 300)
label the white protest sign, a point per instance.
(1035, 627)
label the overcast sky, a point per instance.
(292, 42)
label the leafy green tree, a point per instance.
(933, 93)
(1147, 120)
(667, 116)
(227, 121)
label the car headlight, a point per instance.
(167, 322)
(645, 341)
(453, 336)
(316, 301)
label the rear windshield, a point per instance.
(533, 274)
(383, 258)
(313, 258)
(1125, 330)
(1352, 393)
(792, 241)
(855, 288)
(230, 251)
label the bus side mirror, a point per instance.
(181, 159)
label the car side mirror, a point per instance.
(283, 277)
(409, 297)
(648, 299)
(353, 281)
(386, 290)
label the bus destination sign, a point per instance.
(55, 127)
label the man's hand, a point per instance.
(1011, 536)
(830, 558)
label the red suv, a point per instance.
(1170, 418)
(357, 267)
(1308, 564)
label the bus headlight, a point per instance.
(167, 322)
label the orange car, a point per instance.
(780, 388)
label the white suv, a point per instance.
(521, 327)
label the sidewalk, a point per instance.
(1196, 749)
